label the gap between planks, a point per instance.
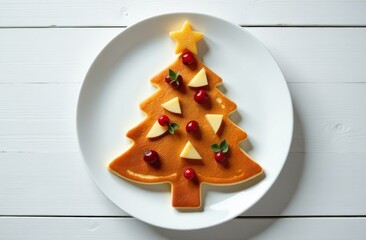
(238, 217)
(243, 26)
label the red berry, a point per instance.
(168, 79)
(164, 120)
(220, 157)
(188, 58)
(201, 96)
(192, 126)
(176, 83)
(189, 173)
(151, 157)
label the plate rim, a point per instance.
(204, 15)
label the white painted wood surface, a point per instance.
(121, 228)
(124, 12)
(320, 193)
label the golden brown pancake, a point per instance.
(186, 193)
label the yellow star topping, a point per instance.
(186, 38)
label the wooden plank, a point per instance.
(125, 12)
(317, 54)
(38, 117)
(315, 184)
(49, 55)
(328, 117)
(64, 55)
(58, 184)
(123, 228)
(49, 184)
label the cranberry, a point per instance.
(168, 79)
(188, 58)
(201, 96)
(220, 157)
(164, 120)
(176, 83)
(151, 157)
(192, 126)
(189, 173)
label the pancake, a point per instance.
(186, 193)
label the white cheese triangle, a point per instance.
(214, 120)
(199, 80)
(172, 105)
(189, 152)
(156, 130)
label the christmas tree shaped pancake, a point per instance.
(187, 138)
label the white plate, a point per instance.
(118, 81)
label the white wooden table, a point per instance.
(46, 48)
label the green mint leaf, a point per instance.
(215, 148)
(225, 148)
(171, 130)
(173, 75)
(174, 126)
(176, 76)
(222, 144)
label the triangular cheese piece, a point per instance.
(189, 152)
(214, 120)
(156, 130)
(172, 105)
(199, 80)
